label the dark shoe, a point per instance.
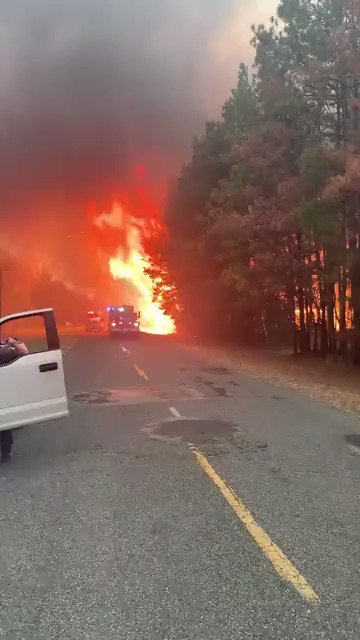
(5, 458)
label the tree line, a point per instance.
(263, 239)
(24, 289)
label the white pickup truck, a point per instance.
(32, 386)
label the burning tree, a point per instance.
(130, 267)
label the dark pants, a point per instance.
(6, 442)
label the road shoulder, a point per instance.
(336, 384)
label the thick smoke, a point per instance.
(88, 91)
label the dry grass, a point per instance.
(335, 384)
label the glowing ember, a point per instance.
(130, 266)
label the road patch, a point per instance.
(214, 436)
(215, 370)
(217, 391)
(193, 430)
(145, 394)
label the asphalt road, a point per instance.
(119, 522)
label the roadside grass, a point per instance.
(337, 384)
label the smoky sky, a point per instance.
(88, 90)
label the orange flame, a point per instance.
(130, 265)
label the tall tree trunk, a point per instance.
(355, 297)
(304, 343)
(356, 84)
(338, 123)
(290, 294)
(324, 333)
(342, 310)
(356, 357)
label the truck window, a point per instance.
(29, 330)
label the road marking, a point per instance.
(140, 372)
(175, 412)
(124, 350)
(278, 559)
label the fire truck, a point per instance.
(123, 320)
(95, 321)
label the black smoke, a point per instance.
(90, 89)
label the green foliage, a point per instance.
(319, 217)
(264, 221)
(240, 111)
(316, 166)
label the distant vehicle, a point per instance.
(123, 320)
(95, 321)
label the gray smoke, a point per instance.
(90, 88)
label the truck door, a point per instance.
(32, 387)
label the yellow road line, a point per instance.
(140, 372)
(278, 559)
